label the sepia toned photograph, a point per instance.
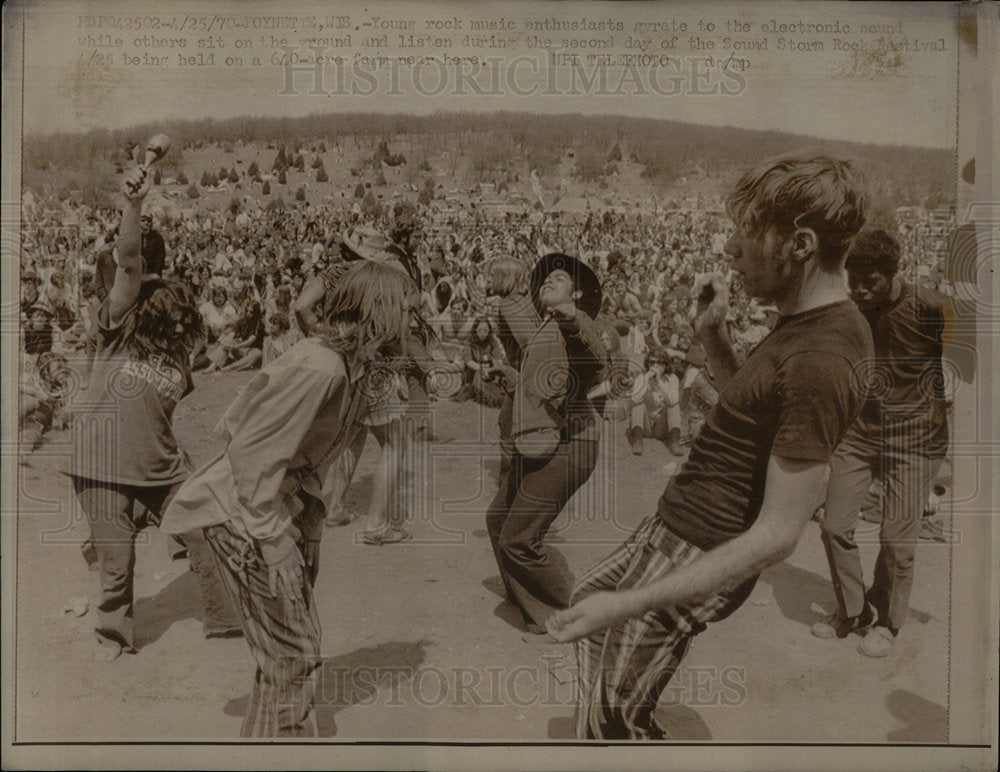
(516, 385)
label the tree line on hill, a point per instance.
(491, 145)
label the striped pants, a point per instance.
(624, 670)
(284, 637)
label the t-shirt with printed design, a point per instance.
(124, 433)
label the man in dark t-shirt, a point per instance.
(741, 501)
(154, 251)
(901, 435)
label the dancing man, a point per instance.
(262, 500)
(127, 463)
(902, 434)
(741, 500)
(551, 447)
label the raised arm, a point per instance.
(577, 325)
(311, 294)
(128, 275)
(710, 328)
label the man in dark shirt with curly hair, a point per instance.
(901, 435)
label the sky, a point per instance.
(90, 64)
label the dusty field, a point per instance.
(420, 645)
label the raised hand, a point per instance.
(712, 293)
(136, 184)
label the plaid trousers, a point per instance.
(284, 637)
(623, 671)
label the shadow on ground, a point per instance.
(178, 601)
(796, 591)
(358, 677)
(924, 721)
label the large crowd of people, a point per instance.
(247, 267)
(723, 328)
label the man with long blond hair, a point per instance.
(741, 500)
(261, 501)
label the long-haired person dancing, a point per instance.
(394, 377)
(127, 462)
(261, 501)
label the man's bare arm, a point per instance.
(789, 499)
(312, 292)
(710, 328)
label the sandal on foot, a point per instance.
(388, 535)
(346, 517)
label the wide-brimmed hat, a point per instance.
(584, 278)
(369, 244)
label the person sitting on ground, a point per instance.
(279, 338)
(487, 374)
(656, 405)
(698, 395)
(240, 347)
(42, 401)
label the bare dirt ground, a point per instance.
(417, 640)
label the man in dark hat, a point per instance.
(742, 499)
(554, 440)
